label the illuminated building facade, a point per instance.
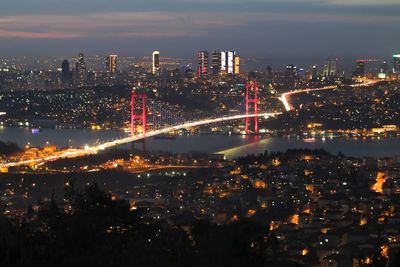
(156, 62)
(202, 63)
(224, 62)
(330, 69)
(237, 65)
(216, 62)
(112, 62)
(81, 70)
(396, 63)
(230, 61)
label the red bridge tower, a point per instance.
(252, 101)
(141, 117)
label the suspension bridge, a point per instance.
(140, 123)
(145, 117)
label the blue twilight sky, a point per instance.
(281, 31)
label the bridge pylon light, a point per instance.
(141, 116)
(252, 106)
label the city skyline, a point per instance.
(200, 133)
(346, 29)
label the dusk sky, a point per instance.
(299, 31)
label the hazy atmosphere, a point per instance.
(303, 31)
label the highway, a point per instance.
(285, 97)
(89, 150)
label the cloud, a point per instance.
(112, 24)
(162, 24)
(116, 24)
(361, 2)
(39, 35)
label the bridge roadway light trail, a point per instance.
(89, 150)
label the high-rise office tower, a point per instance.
(81, 69)
(65, 72)
(396, 63)
(202, 63)
(314, 72)
(360, 68)
(291, 71)
(156, 62)
(330, 69)
(237, 65)
(216, 62)
(384, 68)
(224, 62)
(112, 61)
(230, 61)
(224, 68)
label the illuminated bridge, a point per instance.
(88, 150)
(251, 116)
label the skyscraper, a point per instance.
(384, 68)
(81, 70)
(156, 62)
(112, 61)
(396, 63)
(237, 65)
(224, 62)
(65, 72)
(291, 71)
(314, 72)
(360, 69)
(330, 69)
(230, 61)
(216, 62)
(202, 63)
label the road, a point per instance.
(285, 97)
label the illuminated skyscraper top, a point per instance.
(156, 62)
